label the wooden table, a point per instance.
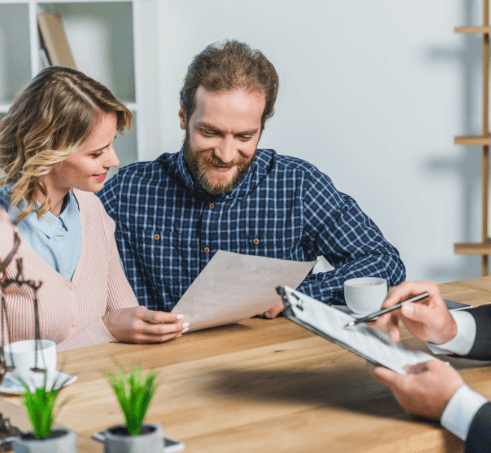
(263, 386)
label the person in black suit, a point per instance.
(434, 389)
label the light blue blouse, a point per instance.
(58, 240)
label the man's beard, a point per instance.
(199, 162)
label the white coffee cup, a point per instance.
(365, 295)
(22, 356)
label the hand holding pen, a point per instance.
(383, 311)
(428, 319)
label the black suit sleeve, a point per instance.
(479, 436)
(481, 349)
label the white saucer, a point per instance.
(346, 310)
(4, 440)
(358, 316)
(12, 386)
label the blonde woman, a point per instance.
(55, 150)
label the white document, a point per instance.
(361, 339)
(233, 287)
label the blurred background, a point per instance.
(372, 93)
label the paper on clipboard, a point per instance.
(361, 339)
(233, 287)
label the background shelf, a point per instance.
(484, 30)
(473, 140)
(101, 40)
(15, 66)
(473, 248)
(103, 37)
(484, 140)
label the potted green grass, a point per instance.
(134, 393)
(39, 406)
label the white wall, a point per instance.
(371, 92)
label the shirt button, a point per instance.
(212, 205)
(72, 286)
(74, 324)
(256, 241)
(206, 250)
(156, 237)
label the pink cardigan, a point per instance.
(69, 311)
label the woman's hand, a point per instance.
(141, 325)
(428, 320)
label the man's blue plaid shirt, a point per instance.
(168, 228)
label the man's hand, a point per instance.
(273, 312)
(428, 320)
(141, 325)
(425, 391)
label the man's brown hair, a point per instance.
(230, 65)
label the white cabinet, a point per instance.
(105, 41)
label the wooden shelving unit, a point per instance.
(482, 248)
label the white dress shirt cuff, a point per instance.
(462, 343)
(460, 411)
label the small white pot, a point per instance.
(60, 441)
(119, 441)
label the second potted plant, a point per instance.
(134, 393)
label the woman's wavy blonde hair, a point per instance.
(46, 124)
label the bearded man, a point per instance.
(222, 193)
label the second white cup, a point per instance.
(365, 295)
